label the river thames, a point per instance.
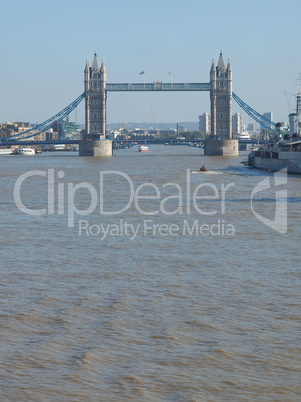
(134, 277)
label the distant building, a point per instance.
(3, 133)
(59, 128)
(171, 131)
(22, 126)
(237, 123)
(49, 135)
(10, 128)
(17, 127)
(205, 123)
(138, 132)
(251, 127)
(73, 130)
(113, 134)
(183, 129)
(269, 116)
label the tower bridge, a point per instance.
(95, 94)
(97, 87)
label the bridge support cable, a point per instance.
(40, 128)
(262, 120)
(58, 120)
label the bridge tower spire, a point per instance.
(87, 96)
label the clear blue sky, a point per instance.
(44, 46)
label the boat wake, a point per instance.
(209, 172)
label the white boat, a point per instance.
(26, 151)
(143, 148)
(244, 136)
(6, 151)
(59, 147)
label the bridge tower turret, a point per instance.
(229, 76)
(103, 97)
(213, 97)
(87, 97)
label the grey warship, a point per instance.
(283, 151)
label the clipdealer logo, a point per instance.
(279, 223)
(148, 227)
(148, 199)
(61, 199)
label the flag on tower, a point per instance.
(142, 72)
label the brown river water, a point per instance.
(109, 296)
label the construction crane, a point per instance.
(125, 130)
(158, 130)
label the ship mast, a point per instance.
(298, 107)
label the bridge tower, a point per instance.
(95, 80)
(95, 99)
(221, 142)
(221, 99)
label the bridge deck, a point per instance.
(116, 141)
(159, 86)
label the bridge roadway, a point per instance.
(159, 86)
(192, 143)
(123, 143)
